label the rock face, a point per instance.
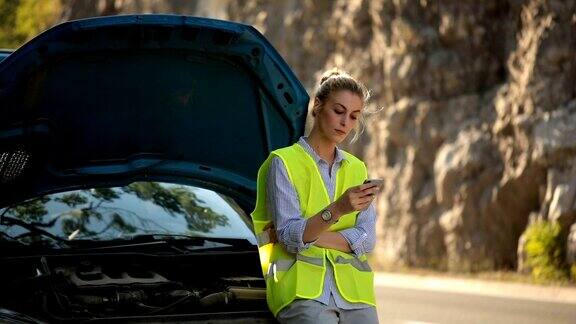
(571, 246)
(478, 130)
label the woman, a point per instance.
(314, 216)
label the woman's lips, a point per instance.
(340, 132)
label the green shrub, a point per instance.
(545, 252)
(20, 20)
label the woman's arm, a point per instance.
(355, 198)
(333, 240)
(359, 239)
(284, 206)
(296, 232)
(362, 237)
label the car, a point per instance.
(129, 151)
(4, 53)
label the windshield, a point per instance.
(122, 212)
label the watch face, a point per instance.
(326, 215)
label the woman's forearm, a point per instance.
(333, 240)
(315, 225)
(354, 199)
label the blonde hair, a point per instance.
(336, 80)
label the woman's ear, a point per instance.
(316, 107)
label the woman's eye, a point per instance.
(338, 112)
(353, 117)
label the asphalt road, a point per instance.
(400, 305)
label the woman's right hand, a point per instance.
(356, 198)
(271, 229)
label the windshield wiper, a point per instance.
(179, 242)
(191, 239)
(183, 241)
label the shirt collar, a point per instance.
(303, 141)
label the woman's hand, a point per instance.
(271, 232)
(356, 198)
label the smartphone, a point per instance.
(378, 182)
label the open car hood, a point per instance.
(124, 98)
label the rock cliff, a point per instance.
(477, 137)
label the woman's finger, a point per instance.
(363, 201)
(371, 191)
(366, 186)
(366, 200)
(367, 196)
(362, 207)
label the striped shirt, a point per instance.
(283, 204)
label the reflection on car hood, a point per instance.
(143, 96)
(4, 54)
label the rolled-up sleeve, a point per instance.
(362, 237)
(284, 206)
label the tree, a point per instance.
(76, 213)
(21, 20)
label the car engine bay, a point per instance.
(135, 287)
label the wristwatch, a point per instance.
(326, 215)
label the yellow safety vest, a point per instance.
(290, 276)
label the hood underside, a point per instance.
(112, 99)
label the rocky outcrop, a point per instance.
(571, 247)
(478, 128)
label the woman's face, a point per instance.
(339, 114)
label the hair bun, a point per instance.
(330, 73)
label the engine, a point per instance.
(73, 289)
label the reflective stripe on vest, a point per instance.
(285, 265)
(290, 276)
(356, 263)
